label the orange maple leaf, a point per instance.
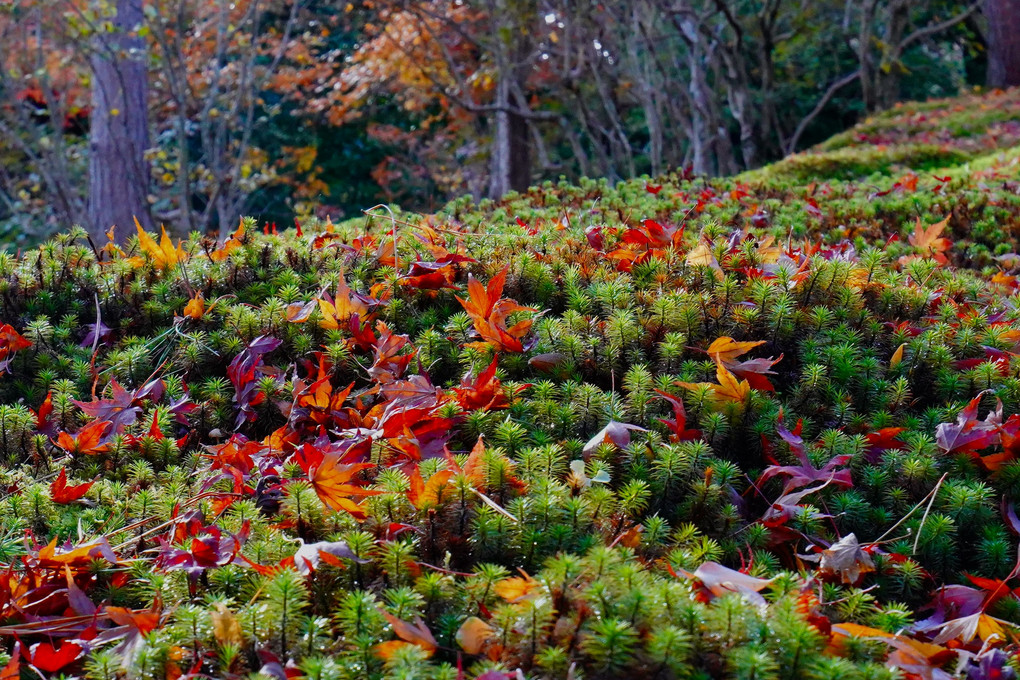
(417, 634)
(87, 440)
(331, 479)
(929, 240)
(196, 309)
(474, 635)
(489, 313)
(515, 588)
(474, 466)
(235, 241)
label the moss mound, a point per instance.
(763, 426)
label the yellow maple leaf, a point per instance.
(767, 252)
(164, 255)
(728, 391)
(515, 588)
(726, 349)
(702, 256)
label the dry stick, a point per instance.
(167, 523)
(48, 626)
(904, 518)
(96, 334)
(924, 518)
(495, 506)
(393, 228)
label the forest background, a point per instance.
(192, 113)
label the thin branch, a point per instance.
(829, 94)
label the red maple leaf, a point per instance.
(483, 392)
(968, 433)
(63, 493)
(10, 342)
(677, 426)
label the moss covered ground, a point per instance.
(754, 427)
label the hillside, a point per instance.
(758, 427)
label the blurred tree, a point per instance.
(288, 107)
(118, 186)
(1003, 42)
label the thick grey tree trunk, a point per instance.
(1003, 42)
(119, 135)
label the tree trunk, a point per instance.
(520, 153)
(1003, 42)
(499, 156)
(119, 135)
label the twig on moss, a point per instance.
(924, 518)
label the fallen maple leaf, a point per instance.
(417, 634)
(702, 256)
(338, 311)
(966, 628)
(49, 659)
(88, 440)
(918, 658)
(164, 255)
(489, 311)
(196, 309)
(677, 426)
(719, 580)
(226, 627)
(845, 559)
(729, 389)
(235, 241)
(429, 494)
(10, 342)
(310, 555)
(483, 392)
(805, 473)
(881, 441)
(968, 433)
(897, 356)
(725, 350)
(929, 240)
(614, 433)
(244, 373)
(12, 671)
(474, 634)
(63, 493)
(331, 479)
(515, 588)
